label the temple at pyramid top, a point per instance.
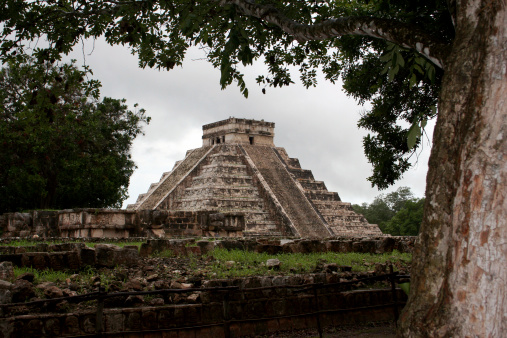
(238, 131)
(249, 187)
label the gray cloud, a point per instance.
(317, 125)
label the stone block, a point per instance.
(106, 254)
(5, 292)
(33, 328)
(71, 326)
(269, 249)
(146, 250)
(6, 271)
(87, 256)
(149, 319)
(235, 330)
(210, 332)
(19, 221)
(133, 320)
(205, 246)
(37, 260)
(53, 327)
(45, 223)
(58, 260)
(170, 334)
(129, 255)
(88, 323)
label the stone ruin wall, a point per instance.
(76, 255)
(277, 305)
(110, 223)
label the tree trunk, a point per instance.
(459, 274)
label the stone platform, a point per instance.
(239, 170)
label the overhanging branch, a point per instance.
(402, 34)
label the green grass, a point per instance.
(43, 275)
(163, 254)
(85, 275)
(250, 263)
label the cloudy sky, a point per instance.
(317, 125)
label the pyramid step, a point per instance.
(221, 203)
(229, 169)
(225, 158)
(223, 193)
(224, 180)
(299, 173)
(164, 175)
(312, 185)
(223, 165)
(220, 186)
(215, 193)
(322, 195)
(332, 205)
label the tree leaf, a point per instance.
(413, 135)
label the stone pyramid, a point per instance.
(238, 170)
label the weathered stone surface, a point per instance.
(87, 256)
(273, 263)
(22, 291)
(106, 254)
(6, 271)
(52, 291)
(5, 292)
(109, 255)
(28, 276)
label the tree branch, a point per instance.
(402, 34)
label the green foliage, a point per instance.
(43, 275)
(408, 220)
(61, 146)
(405, 287)
(164, 254)
(401, 84)
(247, 263)
(397, 213)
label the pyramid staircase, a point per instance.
(224, 185)
(339, 216)
(169, 180)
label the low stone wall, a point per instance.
(71, 256)
(374, 245)
(113, 223)
(260, 306)
(76, 255)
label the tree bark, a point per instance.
(459, 273)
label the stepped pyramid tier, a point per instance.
(239, 171)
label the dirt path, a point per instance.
(371, 330)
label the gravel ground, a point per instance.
(371, 330)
